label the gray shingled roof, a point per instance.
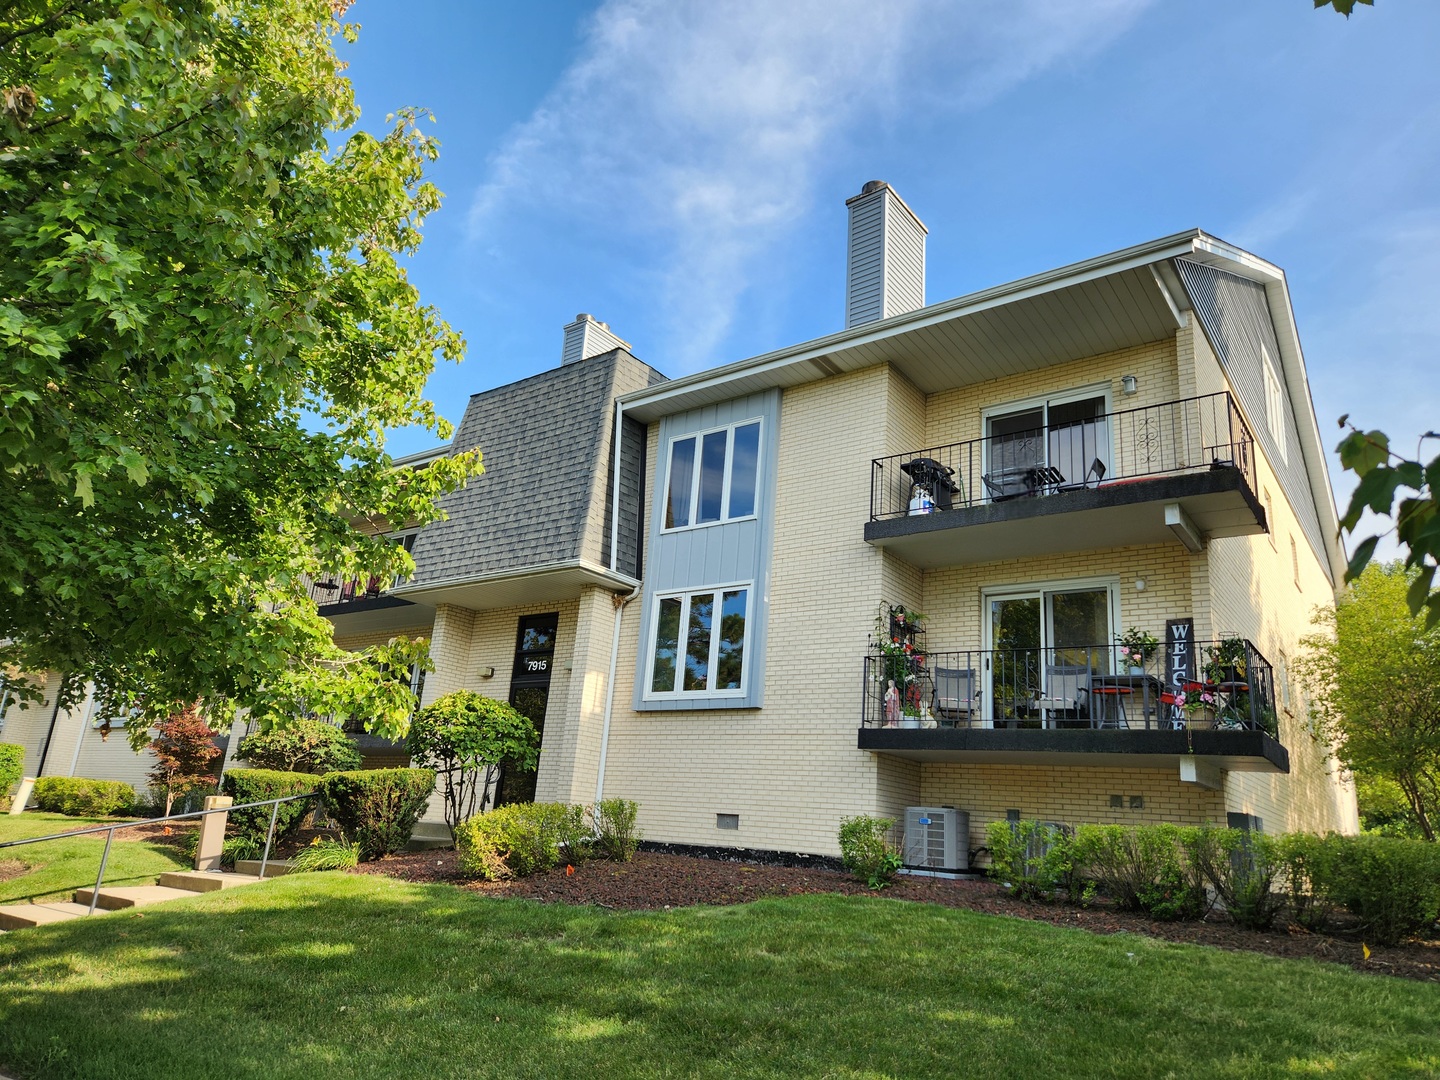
(547, 446)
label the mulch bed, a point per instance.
(172, 833)
(658, 881)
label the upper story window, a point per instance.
(1274, 403)
(712, 476)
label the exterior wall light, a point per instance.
(1129, 385)
(486, 673)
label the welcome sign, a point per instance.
(1179, 659)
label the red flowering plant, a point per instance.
(902, 660)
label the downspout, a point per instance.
(84, 727)
(49, 735)
(620, 602)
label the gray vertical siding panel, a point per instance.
(1236, 318)
(718, 554)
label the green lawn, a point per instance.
(56, 868)
(339, 975)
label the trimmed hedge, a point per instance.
(76, 796)
(520, 839)
(377, 808)
(300, 745)
(1391, 885)
(866, 850)
(12, 767)
(257, 785)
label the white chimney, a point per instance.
(885, 264)
(587, 337)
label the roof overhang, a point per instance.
(1102, 304)
(1126, 298)
(541, 584)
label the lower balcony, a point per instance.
(1211, 709)
(363, 604)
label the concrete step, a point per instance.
(204, 881)
(114, 898)
(21, 916)
(251, 867)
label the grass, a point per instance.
(54, 869)
(344, 975)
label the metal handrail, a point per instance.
(112, 829)
(1186, 435)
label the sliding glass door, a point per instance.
(1041, 644)
(1068, 433)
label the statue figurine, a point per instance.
(892, 705)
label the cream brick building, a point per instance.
(682, 580)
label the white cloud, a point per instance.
(697, 131)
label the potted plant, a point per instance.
(1199, 706)
(902, 662)
(1226, 661)
(1137, 647)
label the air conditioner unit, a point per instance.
(937, 838)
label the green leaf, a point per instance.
(1361, 558)
(1419, 591)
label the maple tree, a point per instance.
(205, 334)
(184, 747)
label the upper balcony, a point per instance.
(1181, 470)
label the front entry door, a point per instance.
(529, 694)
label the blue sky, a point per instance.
(679, 169)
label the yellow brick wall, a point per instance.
(791, 769)
(955, 415)
(1253, 591)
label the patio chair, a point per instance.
(1007, 484)
(956, 696)
(1067, 691)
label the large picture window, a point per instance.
(699, 643)
(712, 476)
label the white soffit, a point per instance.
(1111, 302)
(530, 585)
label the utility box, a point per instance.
(937, 838)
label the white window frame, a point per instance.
(699, 437)
(684, 596)
(1274, 404)
(1043, 403)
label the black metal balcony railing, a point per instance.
(331, 589)
(1174, 437)
(1232, 686)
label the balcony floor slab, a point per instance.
(1119, 514)
(1233, 751)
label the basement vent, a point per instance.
(727, 821)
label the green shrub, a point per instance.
(867, 852)
(1142, 868)
(236, 848)
(325, 854)
(257, 785)
(515, 840)
(1391, 885)
(1244, 868)
(75, 796)
(302, 746)
(12, 768)
(1034, 857)
(1310, 876)
(616, 836)
(377, 807)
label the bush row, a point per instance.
(1391, 886)
(75, 796)
(375, 808)
(525, 838)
